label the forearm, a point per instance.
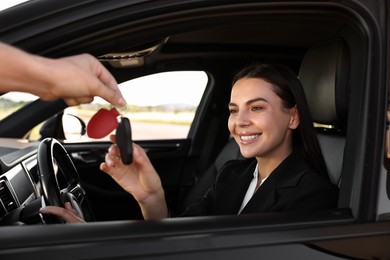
(154, 207)
(22, 71)
(140, 179)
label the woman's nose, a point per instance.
(243, 119)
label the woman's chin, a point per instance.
(247, 154)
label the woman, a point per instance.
(285, 169)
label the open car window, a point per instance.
(159, 106)
(12, 101)
(163, 105)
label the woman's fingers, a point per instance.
(68, 214)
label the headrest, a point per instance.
(324, 74)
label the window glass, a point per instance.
(12, 101)
(159, 106)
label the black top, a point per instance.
(292, 186)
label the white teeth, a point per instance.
(247, 138)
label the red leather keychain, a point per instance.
(104, 122)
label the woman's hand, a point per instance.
(139, 179)
(68, 214)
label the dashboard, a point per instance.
(19, 180)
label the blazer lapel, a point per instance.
(285, 176)
(263, 199)
(231, 190)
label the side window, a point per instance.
(163, 105)
(12, 101)
(159, 106)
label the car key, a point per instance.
(123, 140)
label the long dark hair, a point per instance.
(288, 87)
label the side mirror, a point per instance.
(52, 128)
(63, 126)
(73, 126)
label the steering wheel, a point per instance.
(60, 181)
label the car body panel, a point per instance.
(199, 34)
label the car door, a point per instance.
(354, 230)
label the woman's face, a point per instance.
(259, 123)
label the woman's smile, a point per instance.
(247, 139)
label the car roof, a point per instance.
(221, 26)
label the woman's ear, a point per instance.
(295, 118)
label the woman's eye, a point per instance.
(232, 111)
(256, 108)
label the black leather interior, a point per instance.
(324, 74)
(230, 151)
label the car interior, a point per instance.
(336, 48)
(322, 45)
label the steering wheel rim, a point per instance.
(53, 159)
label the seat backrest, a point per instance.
(230, 151)
(324, 74)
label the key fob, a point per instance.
(123, 140)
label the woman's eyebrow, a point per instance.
(250, 101)
(255, 100)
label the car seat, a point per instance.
(230, 151)
(324, 75)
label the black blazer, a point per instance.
(292, 186)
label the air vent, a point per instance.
(6, 197)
